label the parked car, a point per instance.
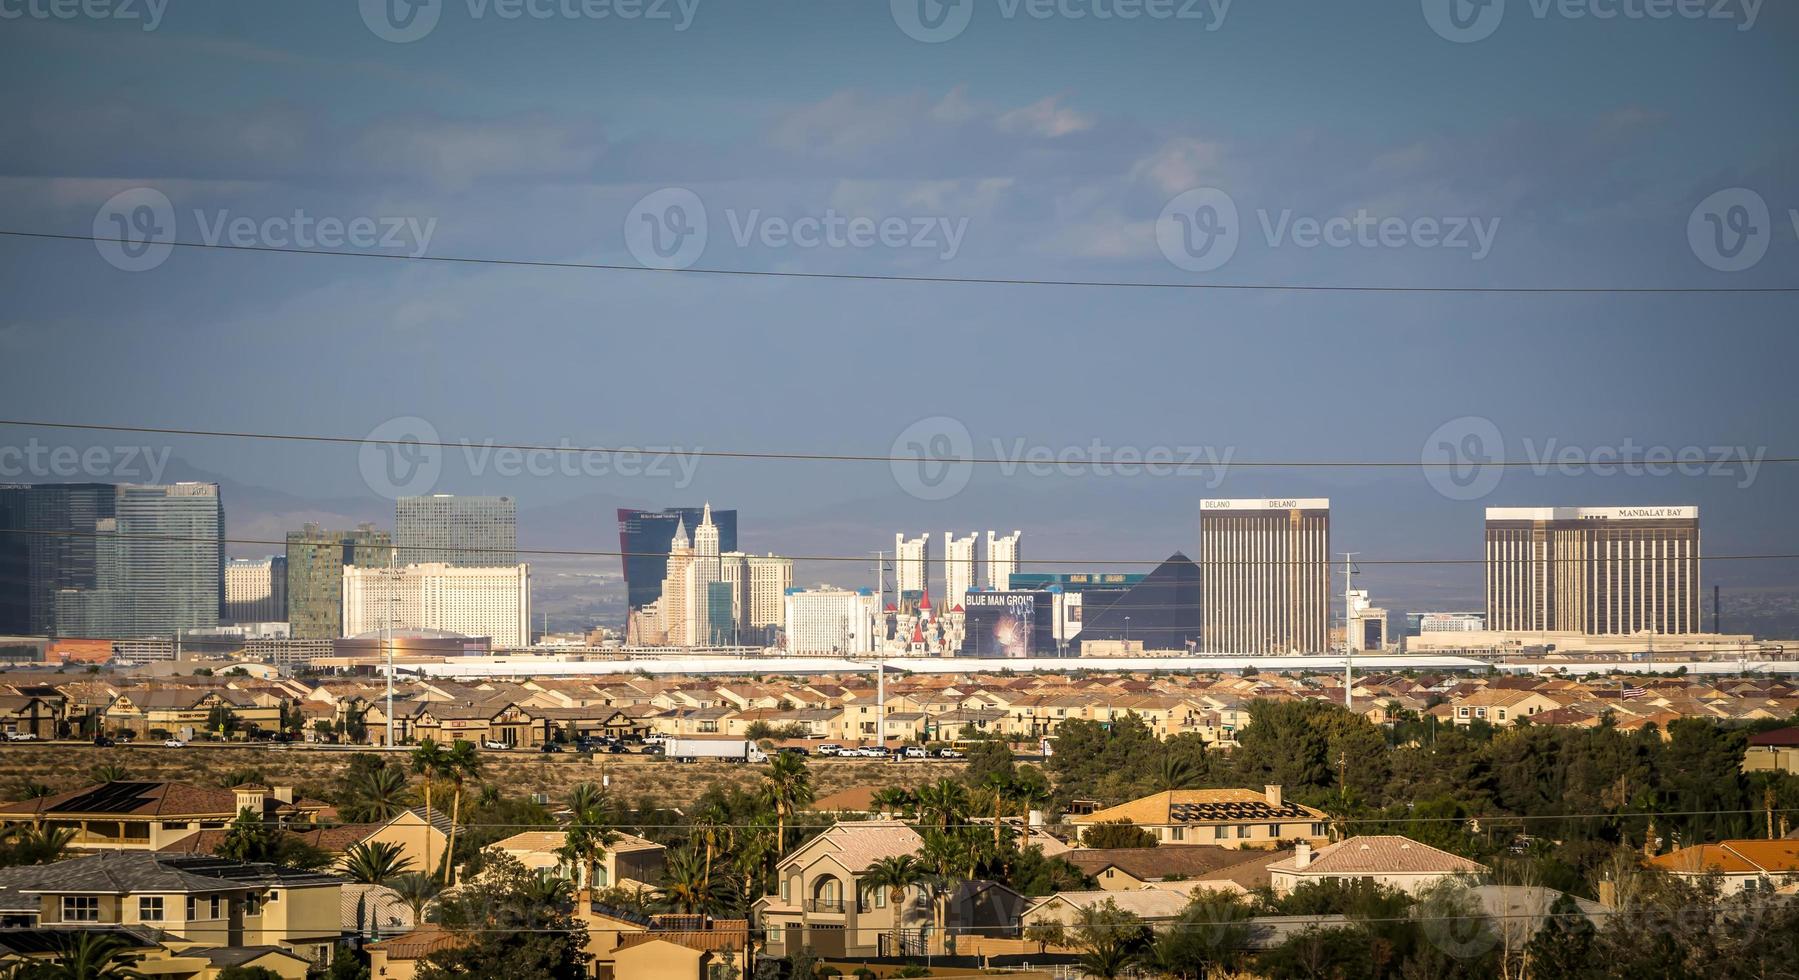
(550, 747)
(21, 736)
(103, 742)
(830, 748)
(654, 739)
(173, 743)
(948, 753)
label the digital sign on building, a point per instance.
(1007, 624)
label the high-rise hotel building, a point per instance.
(1598, 570)
(1265, 575)
(467, 532)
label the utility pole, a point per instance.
(880, 641)
(389, 637)
(1348, 618)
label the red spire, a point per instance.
(917, 634)
(925, 603)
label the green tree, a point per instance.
(688, 886)
(461, 764)
(430, 763)
(515, 924)
(897, 875)
(1111, 940)
(1117, 833)
(786, 786)
(90, 956)
(1210, 933)
(417, 890)
(1562, 949)
(375, 862)
(372, 794)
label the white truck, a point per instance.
(728, 749)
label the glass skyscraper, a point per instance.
(315, 575)
(47, 544)
(644, 537)
(159, 565)
(469, 532)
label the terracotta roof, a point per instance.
(1189, 806)
(1770, 857)
(858, 845)
(134, 798)
(1779, 736)
(856, 799)
(1381, 855)
(1147, 903)
(419, 943)
(1151, 863)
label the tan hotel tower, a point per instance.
(1264, 569)
(1597, 570)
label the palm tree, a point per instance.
(416, 890)
(787, 786)
(712, 826)
(896, 874)
(585, 844)
(1107, 961)
(940, 856)
(945, 800)
(111, 772)
(585, 797)
(376, 862)
(461, 763)
(893, 799)
(689, 888)
(999, 786)
(1176, 772)
(375, 795)
(35, 844)
(428, 762)
(92, 956)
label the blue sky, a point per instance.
(1054, 144)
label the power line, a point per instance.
(583, 553)
(877, 277)
(788, 456)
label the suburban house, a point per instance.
(628, 858)
(407, 830)
(206, 901)
(1741, 865)
(823, 904)
(1777, 750)
(130, 815)
(1131, 868)
(1400, 862)
(185, 711)
(163, 959)
(1500, 706)
(1220, 817)
(1155, 906)
(30, 714)
(625, 944)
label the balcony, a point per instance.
(833, 905)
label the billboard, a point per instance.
(1007, 624)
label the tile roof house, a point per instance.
(204, 900)
(1400, 862)
(1741, 865)
(1773, 750)
(1221, 817)
(134, 815)
(1153, 905)
(1130, 868)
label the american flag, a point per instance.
(1633, 692)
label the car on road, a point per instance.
(174, 743)
(101, 741)
(915, 752)
(872, 752)
(618, 748)
(948, 753)
(652, 750)
(21, 737)
(491, 744)
(793, 750)
(830, 748)
(550, 747)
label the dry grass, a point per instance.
(516, 774)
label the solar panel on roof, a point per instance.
(109, 798)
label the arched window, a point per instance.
(827, 895)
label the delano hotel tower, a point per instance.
(1601, 570)
(1264, 570)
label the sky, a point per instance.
(1544, 145)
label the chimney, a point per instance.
(1302, 853)
(250, 797)
(282, 794)
(1273, 793)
